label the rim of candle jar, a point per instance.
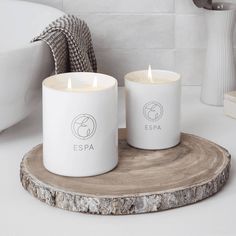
(132, 77)
(104, 82)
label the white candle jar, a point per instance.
(153, 109)
(80, 130)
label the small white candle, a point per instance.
(80, 124)
(153, 109)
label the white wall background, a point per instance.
(130, 34)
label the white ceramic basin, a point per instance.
(23, 65)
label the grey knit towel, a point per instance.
(71, 44)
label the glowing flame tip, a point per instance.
(150, 73)
(69, 84)
(95, 82)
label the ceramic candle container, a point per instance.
(153, 109)
(80, 124)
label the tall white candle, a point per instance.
(153, 109)
(80, 124)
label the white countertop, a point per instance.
(23, 215)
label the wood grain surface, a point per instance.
(144, 181)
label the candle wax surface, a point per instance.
(83, 88)
(157, 77)
(75, 87)
(80, 82)
(154, 80)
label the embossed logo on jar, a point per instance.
(84, 126)
(153, 111)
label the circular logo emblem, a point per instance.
(153, 111)
(83, 126)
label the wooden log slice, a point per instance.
(144, 181)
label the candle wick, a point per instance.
(150, 73)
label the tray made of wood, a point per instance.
(144, 181)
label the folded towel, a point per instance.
(70, 41)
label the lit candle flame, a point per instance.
(95, 82)
(150, 73)
(69, 84)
